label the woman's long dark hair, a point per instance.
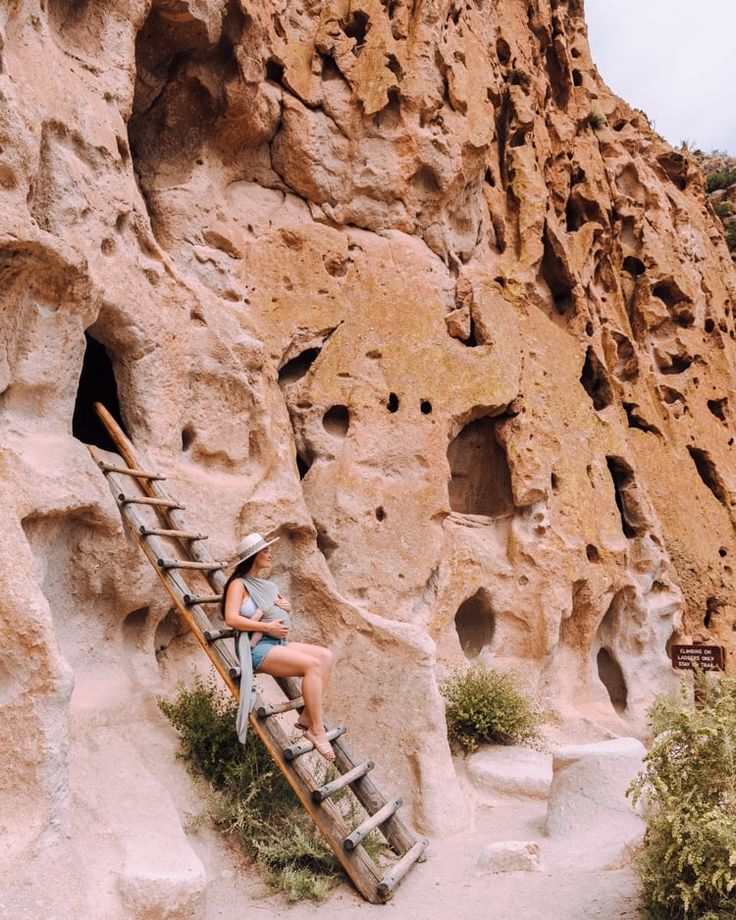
(241, 570)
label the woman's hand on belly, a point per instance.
(283, 604)
(277, 629)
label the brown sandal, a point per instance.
(300, 726)
(321, 744)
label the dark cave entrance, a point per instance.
(480, 480)
(475, 623)
(96, 384)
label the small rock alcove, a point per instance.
(475, 623)
(480, 480)
(96, 384)
(612, 678)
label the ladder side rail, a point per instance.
(193, 615)
(400, 837)
(364, 872)
(171, 516)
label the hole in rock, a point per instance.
(480, 481)
(637, 420)
(712, 607)
(612, 678)
(709, 474)
(96, 384)
(475, 623)
(303, 464)
(627, 364)
(709, 325)
(336, 421)
(393, 402)
(503, 51)
(718, 407)
(167, 631)
(594, 379)
(325, 543)
(274, 71)
(624, 485)
(669, 293)
(356, 25)
(518, 139)
(134, 627)
(380, 513)
(577, 78)
(722, 552)
(297, 368)
(187, 437)
(592, 553)
(589, 328)
(555, 273)
(634, 266)
(425, 407)
(554, 481)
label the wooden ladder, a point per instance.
(172, 548)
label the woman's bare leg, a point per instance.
(322, 654)
(289, 661)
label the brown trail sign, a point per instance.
(698, 657)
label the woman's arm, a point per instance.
(236, 597)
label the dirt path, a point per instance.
(448, 884)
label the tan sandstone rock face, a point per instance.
(366, 274)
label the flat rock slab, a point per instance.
(516, 771)
(509, 856)
(588, 793)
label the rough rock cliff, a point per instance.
(403, 282)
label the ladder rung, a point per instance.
(362, 830)
(273, 709)
(128, 471)
(186, 564)
(212, 635)
(319, 795)
(191, 599)
(304, 747)
(181, 534)
(401, 867)
(159, 502)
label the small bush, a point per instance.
(731, 237)
(721, 178)
(488, 707)
(723, 209)
(251, 799)
(688, 786)
(596, 120)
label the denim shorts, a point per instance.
(262, 648)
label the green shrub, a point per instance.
(596, 120)
(688, 787)
(731, 237)
(723, 209)
(251, 800)
(488, 707)
(721, 178)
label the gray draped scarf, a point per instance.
(264, 594)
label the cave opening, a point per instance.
(612, 678)
(480, 477)
(96, 384)
(475, 623)
(709, 474)
(594, 379)
(633, 521)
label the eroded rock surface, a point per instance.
(403, 282)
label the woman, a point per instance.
(252, 604)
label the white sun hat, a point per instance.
(250, 545)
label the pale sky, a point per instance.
(676, 60)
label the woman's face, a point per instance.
(263, 559)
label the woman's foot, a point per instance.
(321, 744)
